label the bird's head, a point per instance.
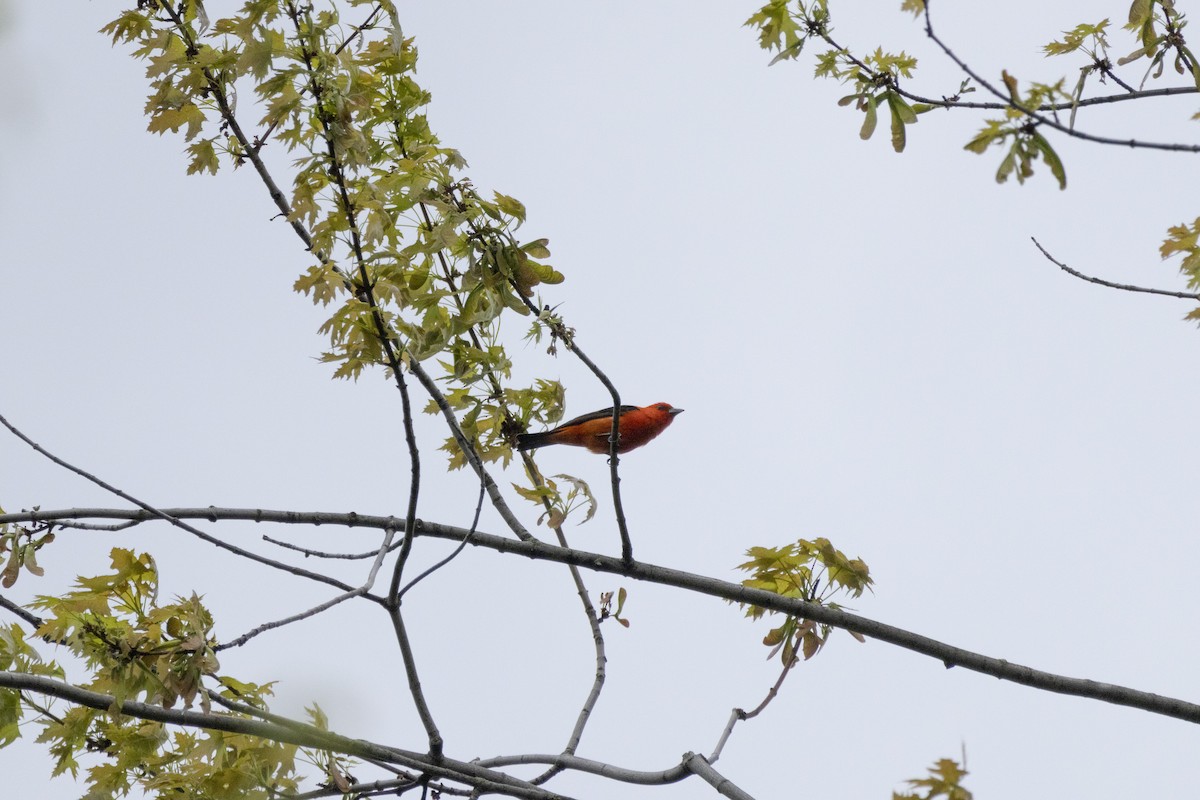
(667, 408)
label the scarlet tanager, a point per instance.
(637, 426)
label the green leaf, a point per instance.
(1009, 163)
(1010, 82)
(1051, 158)
(511, 206)
(870, 118)
(204, 157)
(537, 248)
(898, 133)
(1139, 13)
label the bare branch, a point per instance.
(725, 787)
(1101, 282)
(641, 777)
(738, 714)
(309, 552)
(314, 576)
(944, 102)
(28, 616)
(303, 615)
(453, 554)
(949, 655)
(361, 591)
(589, 703)
(436, 742)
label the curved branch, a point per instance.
(453, 555)
(289, 731)
(641, 777)
(697, 765)
(155, 513)
(739, 715)
(949, 655)
(593, 696)
(613, 460)
(1101, 282)
(25, 614)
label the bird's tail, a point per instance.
(530, 441)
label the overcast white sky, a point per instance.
(867, 345)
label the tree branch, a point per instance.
(28, 616)
(453, 555)
(949, 655)
(1101, 282)
(1040, 118)
(593, 696)
(155, 513)
(289, 731)
(697, 765)
(1051, 107)
(738, 715)
(640, 777)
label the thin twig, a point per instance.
(309, 552)
(249, 148)
(303, 615)
(945, 102)
(314, 576)
(1007, 103)
(1011, 102)
(358, 29)
(614, 435)
(362, 591)
(454, 554)
(1101, 282)
(593, 619)
(738, 715)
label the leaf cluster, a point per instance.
(136, 649)
(945, 780)
(1159, 26)
(809, 570)
(406, 251)
(1025, 142)
(559, 506)
(22, 546)
(1184, 240)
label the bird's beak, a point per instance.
(675, 411)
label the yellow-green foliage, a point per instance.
(813, 571)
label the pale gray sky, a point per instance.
(868, 347)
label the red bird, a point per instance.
(637, 426)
